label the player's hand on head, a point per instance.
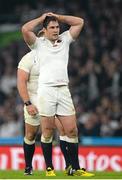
(49, 14)
(44, 15)
(52, 14)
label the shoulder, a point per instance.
(27, 56)
(27, 61)
(66, 36)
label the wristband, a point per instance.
(27, 103)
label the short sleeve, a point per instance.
(67, 37)
(26, 62)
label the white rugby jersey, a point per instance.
(53, 59)
(30, 65)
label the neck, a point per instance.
(52, 41)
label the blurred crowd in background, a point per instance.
(95, 65)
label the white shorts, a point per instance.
(55, 100)
(32, 120)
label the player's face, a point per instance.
(52, 30)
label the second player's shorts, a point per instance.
(55, 100)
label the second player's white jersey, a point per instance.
(30, 65)
(53, 59)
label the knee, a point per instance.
(72, 132)
(47, 133)
(30, 136)
(62, 133)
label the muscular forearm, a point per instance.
(28, 29)
(32, 24)
(22, 88)
(70, 20)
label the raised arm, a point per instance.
(76, 23)
(28, 29)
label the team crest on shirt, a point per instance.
(34, 61)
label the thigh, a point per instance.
(65, 106)
(59, 127)
(46, 102)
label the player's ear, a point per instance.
(44, 29)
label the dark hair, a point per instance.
(48, 19)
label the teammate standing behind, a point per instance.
(54, 98)
(27, 83)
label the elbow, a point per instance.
(24, 29)
(81, 22)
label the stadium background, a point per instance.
(95, 71)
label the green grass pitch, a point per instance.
(10, 174)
